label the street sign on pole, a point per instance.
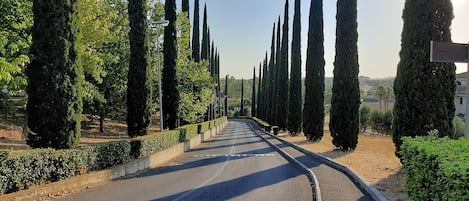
(441, 51)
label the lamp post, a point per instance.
(155, 25)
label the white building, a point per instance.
(460, 98)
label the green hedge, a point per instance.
(436, 169)
(148, 144)
(23, 169)
(266, 126)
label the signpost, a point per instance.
(453, 52)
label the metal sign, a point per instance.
(441, 51)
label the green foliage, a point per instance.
(459, 126)
(295, 101)
(205, 50)
(344, 117)
(7, 108)
(424, 90)
(138, 84)
(313, 116)
(282, 73)
(381, 121)
(241, 110)
(15, 40)
(253, 96)
(54, 76)
(195, 33)
(364, 118)
(264, 125)
(148, 144)
(189, 131)
(195, 83)
(23, 169)
(171, 94)
(436, 169)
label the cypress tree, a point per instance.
(185, 6)
(424, 90)
(276, 66)
(217, 62)
(259, 94)
(344, 124)
(170, 83)
(313, 114)
(268, 76)
(195, 33)
(283, 82)
(54, 103)
(295, 114)
(226, 95)
(212, 60)
(241, 112)
(138, 85)
(204, 54)
(253, 98)
(265, 89)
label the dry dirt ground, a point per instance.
(11, 132)
(373, 160)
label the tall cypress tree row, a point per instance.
(204, 53)
(217, 61)
(424, 90)
(265, 89)
(275, 81)
(259, 94)
(138, 84)
(344, 124)
(253, 98)
(54, 103)
(313, 111)
(195, 33)
(241, 111)
(295, 114)
(170, 83)
(269, 96)
(226, 95)
(283, 81)
(185, 6)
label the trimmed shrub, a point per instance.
(148, 144)
(435, 168)
(108, 154)
(190, 131)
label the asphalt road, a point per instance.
(236, 165)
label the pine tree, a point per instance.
(424, 91)
(313, 114)
(344, 123)
(195, 33)
(241, 111)
(253, 98)
(170, 83)
(204, 53)
(138, 85)
(283, 82)
(295, 114)
(54, 103)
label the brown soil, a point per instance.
(11, 136)
(373, 160)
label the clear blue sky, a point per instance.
(242, 31)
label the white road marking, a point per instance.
(232, 155)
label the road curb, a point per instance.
(309, 173)
(372, 191)
(105, 176)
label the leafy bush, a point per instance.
(459, 125)
(364, 118)
(22, 169)
(7, 107)
(436, 168)
(190, 131)
(148, 144)
(266, 126)
(381, 122)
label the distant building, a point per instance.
(460, 98)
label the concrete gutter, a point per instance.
(105, 176)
